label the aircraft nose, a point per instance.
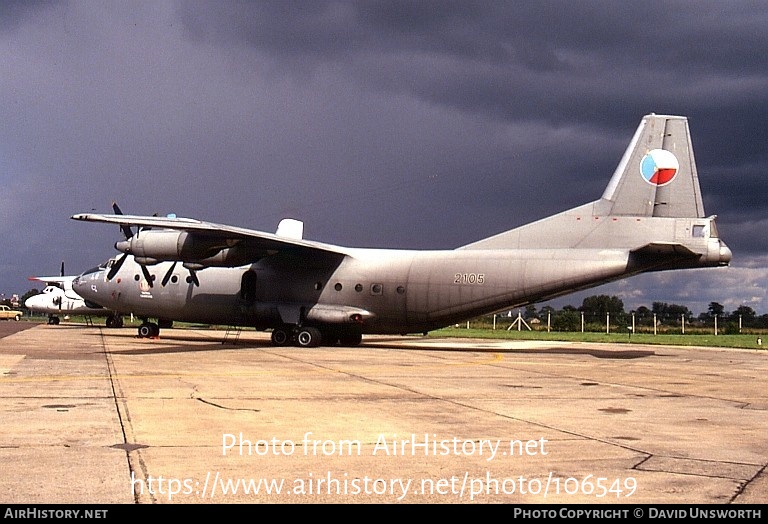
(81, 286)
(31, 302)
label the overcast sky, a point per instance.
(379, 124)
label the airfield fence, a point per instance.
(625, 323)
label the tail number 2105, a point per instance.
(469, 278)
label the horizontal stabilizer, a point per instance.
(661, 255)
(664, 249)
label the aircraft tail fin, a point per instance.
(657, 175)
(656, 179)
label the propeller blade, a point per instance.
(193, 278)
(116, 267)
(62, 268)
(147, 276)
(127, 231)
(168, 274)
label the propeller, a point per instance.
(128, 233)
(168, 274)
(191, 279)
(116, 266)
(119, 263)
(147, 276)
(57, 300)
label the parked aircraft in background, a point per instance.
(649, 218)
(58, 298)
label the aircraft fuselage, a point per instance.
(393, 291)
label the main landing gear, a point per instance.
(149, 329)
(305, 337)
(311, 337)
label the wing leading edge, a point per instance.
(220, 235)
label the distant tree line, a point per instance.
(598, 311)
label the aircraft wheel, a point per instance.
(148, 330)
(308, 337)
(280, 337)
(114, 321)
(330, 338)
(351, 339)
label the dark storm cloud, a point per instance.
(599, 64)
(390, 124)
(13, 12)
(569, 57)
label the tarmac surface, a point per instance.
(96, 415)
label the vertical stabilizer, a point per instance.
(657, 174)
(656, 178)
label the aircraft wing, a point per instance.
(257, 240)
(54, 280)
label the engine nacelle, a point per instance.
(153, 246)
(168, 244)
(225, 257)
(146, 261)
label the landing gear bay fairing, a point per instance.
(649, 218)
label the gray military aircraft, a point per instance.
(649, 218)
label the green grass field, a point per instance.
(746, 341)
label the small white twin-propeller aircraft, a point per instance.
(649, 218)
(58, 298)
